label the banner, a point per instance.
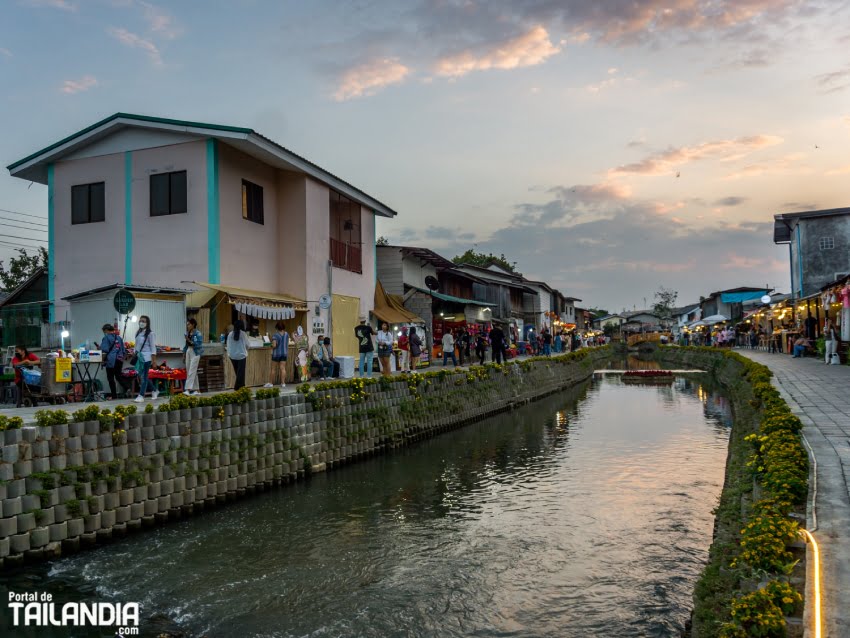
(63, 370)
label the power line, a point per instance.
(15, 212)
(35, 230)
(23, 221)
(13, 245)
(44, 241)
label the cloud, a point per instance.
(730, 201)
(753, 59)
(842, 170)
(64, 5)
(666, 162)
(612, 80)
(369, 78)
(5, 52)
(85, 83)
(776, 166)
(134, 41)
(160, 21)
(798, 206)
(530, 49)
(833, 82)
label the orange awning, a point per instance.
(389, 308)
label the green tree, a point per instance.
(665, 301)
(485, 261)
(21, 268)
(598, 312)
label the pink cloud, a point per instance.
(530, 49)
(667, 162)
(69, 87)
(134, 41)
(842, 170)
(777, 166)
(369, 78)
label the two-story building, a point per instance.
(818, 247)
(505, 291)
(145, 200)
(451, 304)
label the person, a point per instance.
(415, 348)
(112, 346)
(480, 348)
(800, 346)
(558, 342)
(364, 333)
(547, 342)
(26, 359)
(461, 342)
(830, 335)
(302, 345)
(193, 348)
(237, 350)
(404, 350)
(497, 343)
(280, 350)
(334, 362)
(385, 347)
(145, 353)
(531, 337)
(319, 358)
(449, 347)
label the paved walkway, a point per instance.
(820, 395)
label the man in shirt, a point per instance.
(497, 343)
(364, 334)
(449, 347)
(22, 358)
(320, 358)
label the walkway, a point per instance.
(820, 395)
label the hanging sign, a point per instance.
(63, 370)
(124, 302)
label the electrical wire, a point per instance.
(35, 230)
(43, 241)
(16, 212)
(23, 221)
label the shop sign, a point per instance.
(63, 370)
(124, 302)
(318, 327)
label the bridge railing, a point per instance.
(649, 337)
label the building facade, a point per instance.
(140, 200)
(818, 247)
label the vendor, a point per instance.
(22, 358)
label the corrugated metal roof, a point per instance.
(439, 295)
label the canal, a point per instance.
(588, 513)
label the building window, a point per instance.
(88, 203)
(826, 243)
(346, 245)
(252, 202)
(168, 194)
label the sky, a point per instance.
(607, 147)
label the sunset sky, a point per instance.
(607, 147)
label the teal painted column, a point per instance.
(800, 259)
(375, 248)
(128, 217)
(51, 241)
(213, 220)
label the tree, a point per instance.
(598, 312)
(485, 261)
(21, 268)
(665, 300)
(382, 241)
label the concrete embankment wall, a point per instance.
(73, 485)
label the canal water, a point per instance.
(585, 514)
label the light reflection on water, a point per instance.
(587, 517)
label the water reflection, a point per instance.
(586, 514)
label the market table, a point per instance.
(86, 378)
(171, 377)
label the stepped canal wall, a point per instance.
(65, 486)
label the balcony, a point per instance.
(346, 256)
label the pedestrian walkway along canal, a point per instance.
(588, 513)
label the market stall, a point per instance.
(217, 307)
(390, 308)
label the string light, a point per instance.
(817, 607)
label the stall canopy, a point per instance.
(715, 319)
(390, 309)
(262, 305)
(470, 302)
(739, 297)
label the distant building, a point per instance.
(728, 302)
(600, 323)
(818, 247)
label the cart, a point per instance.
(39, 384)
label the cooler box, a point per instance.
(346, 367)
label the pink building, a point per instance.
(139, 200)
